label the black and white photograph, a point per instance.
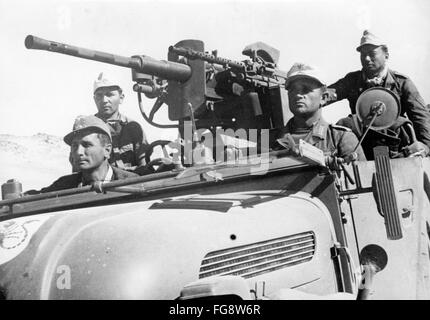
(217, 155)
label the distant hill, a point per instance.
(35, 161)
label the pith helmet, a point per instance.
(90, 123)
(370, 39)
(301, 70)
(102, 81)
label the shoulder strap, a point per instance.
(333, 141)
(339, 127)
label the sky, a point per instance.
(43, 92)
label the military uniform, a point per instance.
(412, 104)
(333, 140)
(129, 143)
(354, 83)
(396, 137)
(75, 180)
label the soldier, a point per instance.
(129, 142)
(91, 146)
(374, 73)
(306, 95)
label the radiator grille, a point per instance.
(258, 258)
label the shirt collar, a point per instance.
(119, 117)
(319, 128)
(389, 80)
(378, 79)
(109, 176)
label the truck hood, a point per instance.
(151, 249)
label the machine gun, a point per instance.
(199, 86)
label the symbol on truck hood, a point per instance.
(15, 235)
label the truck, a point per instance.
(259, 224)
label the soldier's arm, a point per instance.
(137, 137)
(417, 111)
(347, 143)
(62, 183)
(337, 91)
(143, 148)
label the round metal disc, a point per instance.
(377, 96)
(374, 254)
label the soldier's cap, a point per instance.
(102, 81)
(88, 123)
(301, 70)
(369, 38)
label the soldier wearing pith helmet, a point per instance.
(90, 148)
(375, 72)
(306, 95)
(129, 142)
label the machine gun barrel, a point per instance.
(192, 54)
(267, 71)
(164, 69)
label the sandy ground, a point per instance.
(35, 161)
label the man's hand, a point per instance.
(416, 149)
(334, 163)
(353, 156)
(331, 95)
(288, 143)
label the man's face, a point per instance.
(305, 97)
(373, 59)
(107, 100)
(87, 152)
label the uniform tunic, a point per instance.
(75, 180)
(129, 143)
(331, 139)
